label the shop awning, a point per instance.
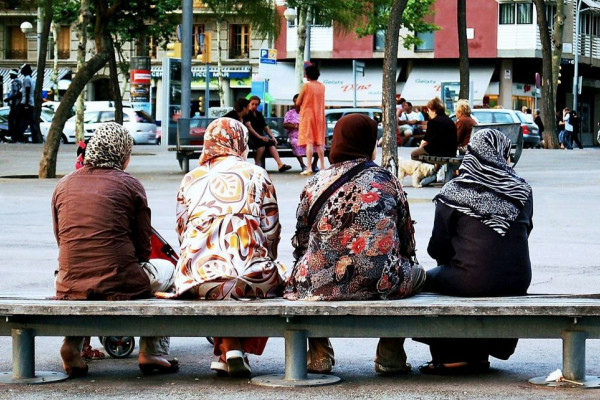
(5, 73)
(425, 82)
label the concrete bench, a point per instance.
(570, 318)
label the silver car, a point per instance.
(140, 125)
(531, 135)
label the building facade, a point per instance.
(504, 55)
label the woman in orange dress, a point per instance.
(312, 117)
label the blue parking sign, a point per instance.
(268, 56)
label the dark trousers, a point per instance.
(575, 139)
(468, 350)
(14, 126)
(27, 120)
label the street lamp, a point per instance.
(591, 4)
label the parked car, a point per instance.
(531, 136)
(333, 115)
(45, 121)
(140, 125)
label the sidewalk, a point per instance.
(564, 249)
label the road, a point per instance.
(564, 249)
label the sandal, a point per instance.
(462, 368)
(285, 167)
(92, 354)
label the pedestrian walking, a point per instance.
(311, 130)
(26, 112)
(14, 99)
(576, 123)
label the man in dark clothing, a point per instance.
(14, 100)
(576, 122)
(27, 106)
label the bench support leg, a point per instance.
(295, 366)
(23, 353)
(573, 364)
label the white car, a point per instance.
(140, 125)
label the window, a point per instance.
(426, 41)
(521, 13)
(550, 14)
(17, 44)
(197, 29)
(239, 41)
(379, 40)
(507, 14)
(524, 13)
(64, 43)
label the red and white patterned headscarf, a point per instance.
(224, 137)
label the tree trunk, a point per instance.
(463, 49)
(557, 40)
(114, 81)
(388, 101)
(82, 23)
(42, 55)
(548, 93)
(301, 31)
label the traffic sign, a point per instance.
(268, 56)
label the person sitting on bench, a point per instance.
(440, 139)
(482, 223)
(354, 239)
(102, 226)
(228, 228)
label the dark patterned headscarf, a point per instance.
(487, 188)
(354, 136)
(110, 146)
(224, 137)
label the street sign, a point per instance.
(268, 56)
(567, 61)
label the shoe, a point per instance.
(237, 364)
(383, 370)
(303, 169)
(307, 172)
(285, 167)
(76, 372)
(431, 368)
(159, 369)
(220, 368)
(92, 354)
(316, 169)
(428, 180)
(320, 366)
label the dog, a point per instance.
(416, 169)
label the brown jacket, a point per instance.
(102, 226)
(464, 127)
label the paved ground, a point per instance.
(564, 252)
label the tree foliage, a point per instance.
(111, 21)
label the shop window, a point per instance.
(239, 41)
(17, 43)
(426, 41)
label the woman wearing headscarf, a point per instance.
(354, 238)
(482, 223)
(228, 228)
(102, 226)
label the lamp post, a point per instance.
(576, 55)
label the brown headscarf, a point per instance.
(354, 136)
(224, 137)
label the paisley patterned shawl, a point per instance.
(487, 188)
(110, 146)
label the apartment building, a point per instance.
(504, 55)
